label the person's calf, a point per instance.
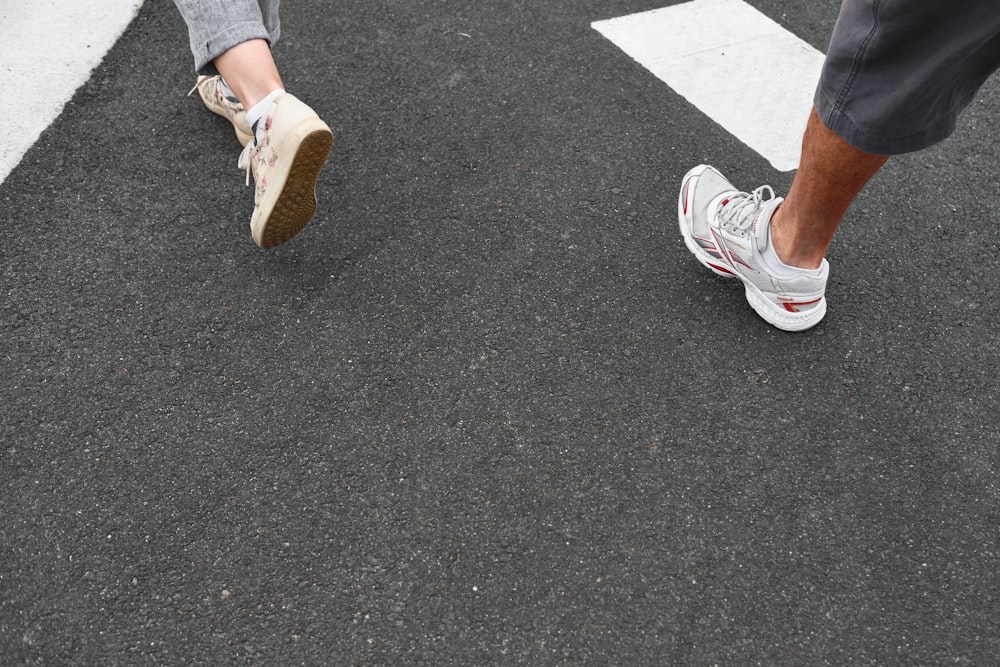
(831, 174)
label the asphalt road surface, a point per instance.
(485, 409)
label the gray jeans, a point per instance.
(215, 26)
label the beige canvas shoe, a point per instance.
(211, 94)
(285, 165)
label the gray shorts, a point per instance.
(899, 72)
(215, 26)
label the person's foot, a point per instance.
(728, 231)
(210, 90)
(285, 163)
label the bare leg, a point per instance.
(250, 71)
(830, 176)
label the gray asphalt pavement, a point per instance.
(485, 409)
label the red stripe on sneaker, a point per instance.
(736, 259)
(727, 256)
(687, 189)
(724, 269)
(792, 306)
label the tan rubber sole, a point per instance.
(295, 204)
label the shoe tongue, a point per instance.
(762, 225)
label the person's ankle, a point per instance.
(785, 249)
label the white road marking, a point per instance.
(48, 48)
(740, 68)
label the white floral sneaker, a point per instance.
(285, 165)
(728, 231)
(211, 94)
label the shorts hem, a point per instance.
(876, 140)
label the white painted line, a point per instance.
(740, 68)
(48, 48)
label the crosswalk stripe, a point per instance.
(740, 68)
(48, 48)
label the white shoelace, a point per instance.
(201, 82)
(739, 210)
(246, 160)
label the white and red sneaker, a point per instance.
(728, 231)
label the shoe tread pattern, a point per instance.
(296, 204)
